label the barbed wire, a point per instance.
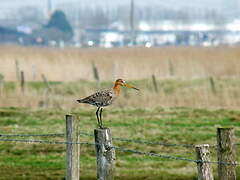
(44, 141)
(114, 138)
(173, 157)
(88, 134)
(120, 149)
(142, 141)
(152, 142)
(32, 135)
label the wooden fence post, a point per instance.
(114, 70)
(105, 154)
(33, 72)
(22, 83)
(1, 83)
(96, 74)
(73, 150)
(154, 83)
(204, 168)
(226, 153)
(170, 68)
(212, 84)
(46, 83)
(17, 70)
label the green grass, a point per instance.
(22, 161)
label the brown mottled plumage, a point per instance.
(100, 98)
(105, 98)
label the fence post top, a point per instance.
(202, 145)
(102, 129)
(225, 129)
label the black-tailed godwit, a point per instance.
(105, 98)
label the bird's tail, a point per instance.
(80, 101)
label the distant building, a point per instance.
(10, 36)
(162, 33)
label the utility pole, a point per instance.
(132, 23)
(77, 31)
(49, 8)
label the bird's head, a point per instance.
(121, 82)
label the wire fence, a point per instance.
(33, 135)
(143, 142)
(122, 149)
(114, 138)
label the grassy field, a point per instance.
(198, 91)
(168, 125)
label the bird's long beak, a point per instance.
(129, 86)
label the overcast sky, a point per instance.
(218, 4)
(227, 6)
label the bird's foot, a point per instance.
(101, 127)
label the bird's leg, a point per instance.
(99, 125)
(101, 117)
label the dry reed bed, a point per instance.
(182, 64)
(129, 63)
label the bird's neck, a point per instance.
(116, 89)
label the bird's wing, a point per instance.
(100, 98)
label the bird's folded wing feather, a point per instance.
(100, 98)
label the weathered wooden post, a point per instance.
(105, 154)
(73, 149)
(204, 168)
(212, 84)
(226, 153)
(154, 83)
(17, 70)
(114, 70)
(22, 83)
(33, 72)
(96, 74)
(1, 83)
(46, 83)
(170, 68)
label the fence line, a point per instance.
(32, 135)
(44, 141)
(88, 134)
(117, 139)
(142, 142)
(151, 142)
(105, 151)
(120, 149)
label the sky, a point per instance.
(217, 4)
(226, 6)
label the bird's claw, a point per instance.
(101, 127)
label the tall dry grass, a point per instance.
(172, 93)
(187, 68)
(128, 63)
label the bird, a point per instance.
(104, 98)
